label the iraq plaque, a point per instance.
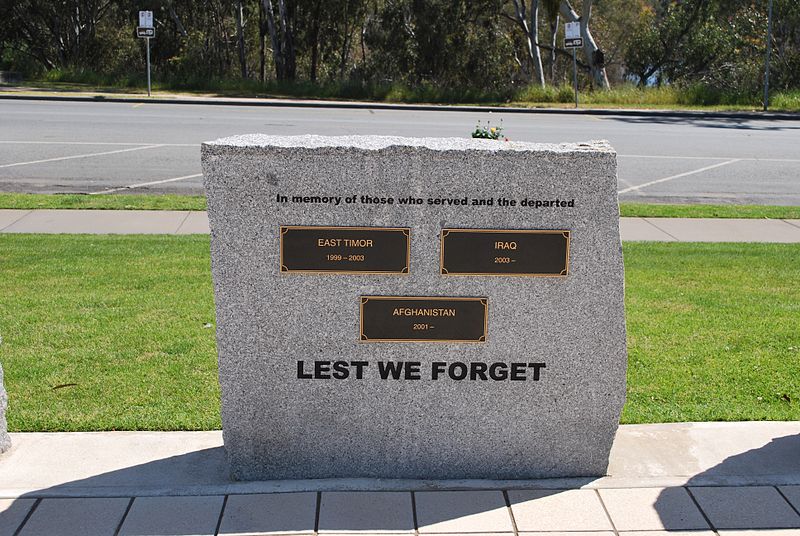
(352, 250)
(505, 252)
(423, 319)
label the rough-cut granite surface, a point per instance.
(278, 426)
(5, 440)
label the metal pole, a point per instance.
(148, 65)
(575, 75)
(769, 50)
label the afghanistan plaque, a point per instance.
(423, 319)
(351, 250)
(505, 252)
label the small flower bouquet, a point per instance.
(488, 132)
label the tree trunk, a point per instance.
(531, 31)
(590, 49)
(277, 52)
(262, 49)
(553, 43)
(174, 16)
(287, 41)
(315, 26)
(240, 37)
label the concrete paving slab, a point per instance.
(462, 511)
(653, 509)
(263, 514)
(671, 533)
(792, 494)
(638, 229)
(572, 533)
(196, 222)
(755, 507)
(57, 221)
(757, 532)
(193, 463)
(76, 517)
(12, 513)
(727, 230)
(9, 216)
(99, 222)
(163, 516)
(373, 512)
(552, 510)
(121, 464)
(706, 454)
(483, 534)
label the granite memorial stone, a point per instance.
(5, 440)
(416, 308)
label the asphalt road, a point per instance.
(154, 148)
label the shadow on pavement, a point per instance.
(738, 493)
(756, 124)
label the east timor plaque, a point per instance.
(423, 319)
(504, 252)
(351, 250)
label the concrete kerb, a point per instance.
(288, 103)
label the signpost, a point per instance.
(573, 40)
(147, 31)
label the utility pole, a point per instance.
(575, 75)
(769, 51)
(148, 66)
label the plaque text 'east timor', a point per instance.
(505, 252)
(423, 319)
(351, 250)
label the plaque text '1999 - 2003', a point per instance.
(354, 250)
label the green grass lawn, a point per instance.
(198, 202)
(116, 332)
(103, 201)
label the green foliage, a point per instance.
(488, 132)
(708, 52)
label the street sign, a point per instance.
(572, 35)
(145, 32)
(146, 19)
(575, 42)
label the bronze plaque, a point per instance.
(340, 250)
(423, 319)
(504, 252)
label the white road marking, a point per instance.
(744, 159)
(114, 143)
(89, 155)
(143, 184)
(678, 176)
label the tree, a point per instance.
(282, 37)
(595, 58)
(531, 30)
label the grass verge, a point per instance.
(653, 210)
(115, 332)
(691, 97)
(198, 202)
(103, 201)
